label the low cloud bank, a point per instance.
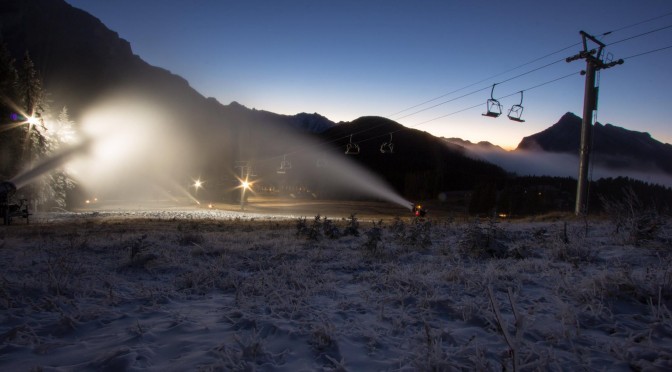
(541, 163)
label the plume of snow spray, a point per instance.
(48, 164)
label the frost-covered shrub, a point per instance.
(631, 219)
(352, 228)
(419, 234)
(374, 238)
(482, 241)
(137, 246)
(301, 226)
(398, 228)
(312, 232)
(329, 229)
(573, 252)
(572, 247)
(315, 230)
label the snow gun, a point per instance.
(418, 210)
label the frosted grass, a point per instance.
(172, 290)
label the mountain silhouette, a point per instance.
(613, 147)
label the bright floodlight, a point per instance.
(198, 184)
(32, 120)
(245, 184)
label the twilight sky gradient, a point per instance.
(349, 58)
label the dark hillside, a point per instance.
(422, 166)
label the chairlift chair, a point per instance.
(351, 148)
(285, 165)
(516, 111)
(387, 147)
(494, 108)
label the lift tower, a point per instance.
(594, 63)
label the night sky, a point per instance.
(350, 58)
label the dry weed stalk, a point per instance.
(503, 327)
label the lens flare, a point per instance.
(32, 120)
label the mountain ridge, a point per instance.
(613, 147)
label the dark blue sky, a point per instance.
(346, 58)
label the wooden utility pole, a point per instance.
(594, 63)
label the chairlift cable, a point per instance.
(649, 52)
(636, 24)
(506, 96)
(444, 102)
(482, 89)
(484, 80)
(640, 35)
(532, 61)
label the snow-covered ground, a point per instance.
(173, 290)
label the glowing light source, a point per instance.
(245, 184)
(198, 184)
(32, 120)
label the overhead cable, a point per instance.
(649, 52)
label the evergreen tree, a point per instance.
(35, 145)
(21, 91)
(8, 79)
(64, 131)
(9, 139)
(63, 134)
(30, 88)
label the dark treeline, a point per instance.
(24, 136)
(524, 196)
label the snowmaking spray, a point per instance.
(135, 147)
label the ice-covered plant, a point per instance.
(632, 218)
(419, 234)
(374, 238)
(329, 229)
(398, 228)
(352, 228)
(479, 241)
(315, 230)
(312, 232)
(301, 226)
(137, 246)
